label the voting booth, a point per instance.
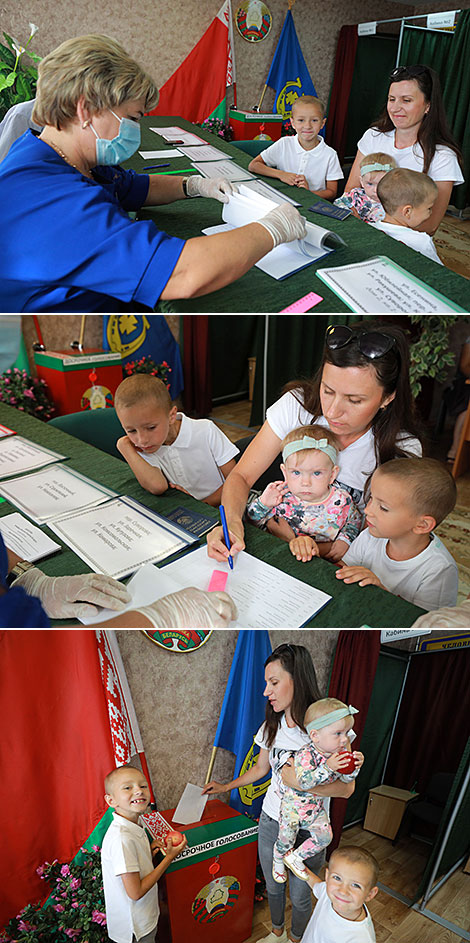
(210, 886)
(79, 380)
(247, 125)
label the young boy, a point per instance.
(363, 200)
(398, 551)
(341, 915)
(304, 160)
(166, 448)
(408, 198)
(129, 877)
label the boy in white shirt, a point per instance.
(129, 876)
(340, 914)
(408, 197)
(398, 551)
(304, 160)
(165, 448)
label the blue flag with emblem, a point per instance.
(243, 712)
(136, 336)
(289, 75)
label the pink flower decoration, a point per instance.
(65, 870)
(98, 917)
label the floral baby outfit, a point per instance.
(336, 516)
(357, 199)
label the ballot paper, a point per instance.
(20, 455)
(265, 596)
(179, 135)
(153, 155)
(247, 206)
(48, 494)
(23, 538)
(270, 193)
(222, 168)
(191, 806)
(120, 536)
(203, 152)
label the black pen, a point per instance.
(155, 166)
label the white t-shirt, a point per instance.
(317, 165)
(444, 165)
(428, 580)
(194, 458)
(356, 462)
(326, 926)
(125, 849)
(288, 739)
(420, 241)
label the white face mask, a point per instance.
(124, 145)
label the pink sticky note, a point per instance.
(303, 304)
(218, 581)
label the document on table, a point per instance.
(178, 134)
(223, 168)
(379, 285)
(23, 538)
(203, 152)
(48, 494)
(121, 536)
(265, 596)
(4, 430)
(264, 189)
(20, 455)
(168, 152)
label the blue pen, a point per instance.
(153, 166)
(226, 534)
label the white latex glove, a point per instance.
(191, 608)
(447, 618)
(284, 224)
(218, 188)
(69, 597)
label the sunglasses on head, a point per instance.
(408, 71)
(372, 344)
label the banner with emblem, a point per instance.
(289, 75)
(136, 336)
(243, 712)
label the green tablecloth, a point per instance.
(256, 291)
(351, 606)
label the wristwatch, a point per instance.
(185, 186)
(21, 567)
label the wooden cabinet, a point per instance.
(385, 809)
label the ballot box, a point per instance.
(79, 380)
(210, 886)
(247, 125)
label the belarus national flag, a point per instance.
(197, 90)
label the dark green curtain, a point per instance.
(457, 842)
(376, 736)
(457, 100)
(427, 48)
(232, 339)
(295, 347)
(375, 59)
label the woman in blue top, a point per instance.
(67, 243)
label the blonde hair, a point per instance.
(356, 855)
(428, 486)
(403, 187)
(309, 100)
(378, 157)
(95, 67)
(324, 706)
(139, 387)
(114, 775)
(312, 432)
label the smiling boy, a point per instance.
(129, 877)
(341, 915)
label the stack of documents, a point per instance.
(19, 455)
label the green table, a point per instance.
(256, 291)
(351, 606)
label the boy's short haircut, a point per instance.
(378, 157)
(326, 705)
(356, 855)
(430, 487)
(403, 187)
(112, 776)
(141, 386)
(313, 432)
(309, 100)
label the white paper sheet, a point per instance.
(379, 285)
(264, 189)
(4, 430)
(20, 455)
(191, 805)
(23, 538)
(223, 168)
(178, 134)
(204, 152)
(121, 536)
(282, 261)
(146, 585)
(48, 494)
(152, 155)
